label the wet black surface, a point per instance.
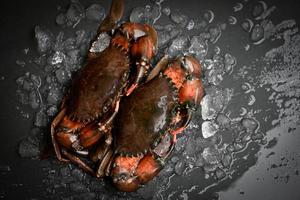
(27, 178)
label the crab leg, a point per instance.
(106, 161)
(187, 118)
(55, 122)
(78, 161)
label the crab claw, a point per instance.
(191, 65)
(143, 49)
(123, 173)
(143, 69)
(114, 15)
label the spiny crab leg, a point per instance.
(106, 162)
(78, 161)
(55, 122)
(179, 130)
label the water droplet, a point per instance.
(252, 100)
(209, 16)
(250, 124)
(232, 20)
(247, 25)
(257, 34)
(238, 7)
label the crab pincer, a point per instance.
(149, 119)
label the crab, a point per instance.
(120, 117)
(145, 128)
(92, 102)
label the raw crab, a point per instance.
(92, 101)
(127, 138)
(148, 119)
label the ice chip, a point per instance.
(209, 15)
(166, 11)
(148, 14)
(51, 111)
(211, 155)
(209, 129)
(101, 43)
(41, 118)
(34, 100)
(179, 167)
(215, 33)
(179, 18)
(57, 58)
(95, 12)
(61, 19)
(230, 62)
(250, 124)
(179, 44)
(220, 173)
(74, 13)
(44, 39)
(54, 96)
(62, 76)
(190, 25)
(247, 25)
(223, 120)
(198, 46)
(257, 34)
(232, 20)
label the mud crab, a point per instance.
(148, 119)
(128, 138)
(92, 101)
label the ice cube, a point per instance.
(250, 124)
(44, 39)
(178, 44)
(220, 173)
(62, 76)
(198, 46)
(215, 33)
(61, 19)
(179, 18)
(57, 58)
(95, 12)
(101, 43)
(179, 167)
(209, 129)
(41, 118)
(211, 155)
(74, 13)
(257, 34)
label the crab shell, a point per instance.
(95, 88)
(145, 120)
(92, 95)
